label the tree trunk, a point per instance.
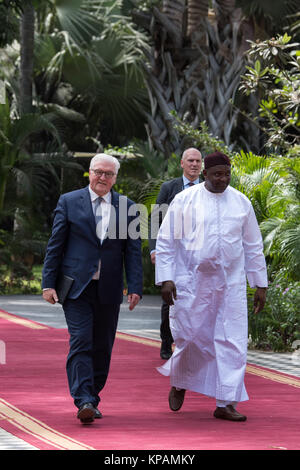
(194, 69)
(26, 66)
(197, 11)
(197, 35)
(174, 10)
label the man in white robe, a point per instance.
(208, 244)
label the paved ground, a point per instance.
(143, 321)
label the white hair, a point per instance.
(104, 157)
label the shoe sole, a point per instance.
(227, 418)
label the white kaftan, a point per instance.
(207, 244)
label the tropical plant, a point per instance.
(9, 26)
(269, 17)
(26, 57)
(88, 58)
(276, 328)
(14, 135)
(274, 74)
(281, 229)
(194, 67)
(255, 177)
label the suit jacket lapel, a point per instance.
(180, 184)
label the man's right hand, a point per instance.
(152, 256)
(50, 296)
(168, 292)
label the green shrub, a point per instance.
(277, 326)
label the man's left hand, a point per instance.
(133, 300)
(259, 299)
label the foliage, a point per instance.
(17, 278)
(88, 57)
(281, 230)
(15, 133)
(278, 325)
(270, 16)
(18, 252)
(275, 76)
(9, 26)
(200, 137)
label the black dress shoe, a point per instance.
(166, 350)
(86, 413)
(98, 414)
(176, 398)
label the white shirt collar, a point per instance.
(94, 196)
(187, 181)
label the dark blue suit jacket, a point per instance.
(74, 248)
(167, 192)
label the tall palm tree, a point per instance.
(26, 56)
(193, 69)
(195, 66)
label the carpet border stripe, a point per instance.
(276, 377)
(22, 321)
(251, 369)
(38, 429)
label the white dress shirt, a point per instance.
(105, 211)
(186, 182)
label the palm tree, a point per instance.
(26, 57)
(88, 59)
(14, 136)
(195, 66)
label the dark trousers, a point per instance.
(92, 327)
(165, 332)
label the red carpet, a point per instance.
(35, 404)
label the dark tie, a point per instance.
(98, 215)
(191, 183)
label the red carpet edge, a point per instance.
(34, 431)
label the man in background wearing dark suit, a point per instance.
(93, 239)
(191, 164)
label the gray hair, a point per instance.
(188, 150)
(104, 157)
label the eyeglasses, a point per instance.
(107, 174)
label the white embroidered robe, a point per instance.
(208, 244)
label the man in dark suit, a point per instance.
(191, 163)
(93, 239)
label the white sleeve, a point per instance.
(255, 264)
